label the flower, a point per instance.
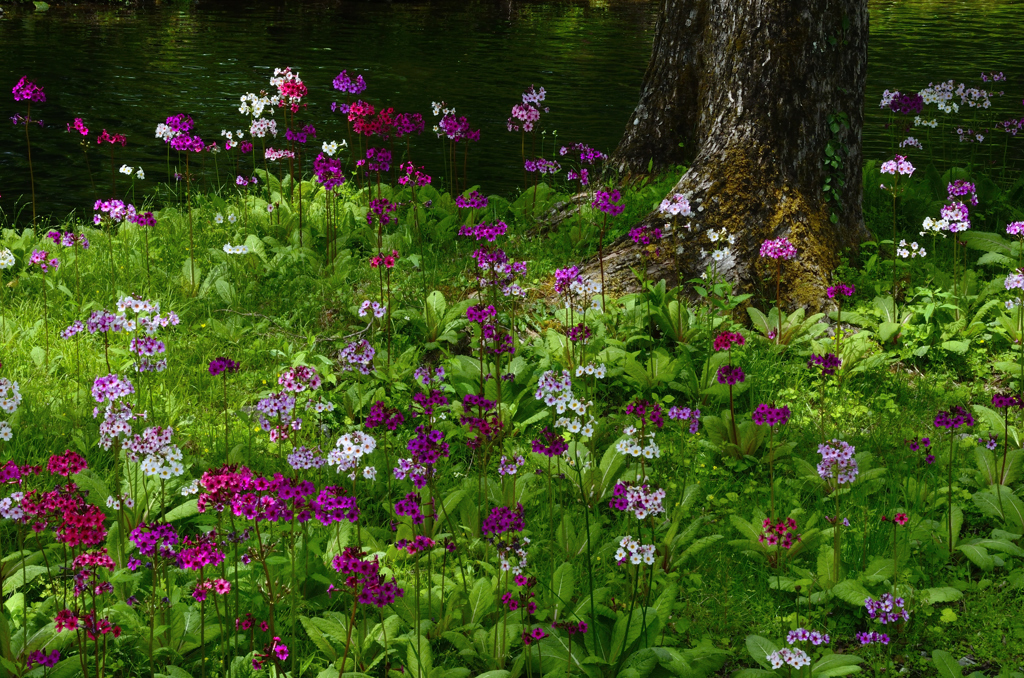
(27, 90)
(220, 365)
(770, 415)
(235, 249)
(676, 204)
(780, 248)
(871, 637)
(954, 418)
(727, 374)
(828, 363)
(608, 202)
(795, 657)
(841, 289)
(837, 462)
(725, 340)
(886, 609)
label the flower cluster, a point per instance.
(221, 365)
(911, 251)
(725, 341)
(771, 415)
(782, 533)
(27, 90)
(828, 363)
(40, 258)
(675, 205)
(639, 499)
(792, 656)
(802, 635)
(635, 552)
(685, 414)
(954, 418)
(728, 374)
(872, 637)
(837, 462)
(886, 609)
(349, 451)
(364, 578)
(609, 202)
(526, 114)
(357, 355)
(842, 289)
(779, 248)
(68, 239)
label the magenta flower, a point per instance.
(780, 248)
(727, 374)
(27, 90)
(608, 202)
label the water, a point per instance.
(126, 70)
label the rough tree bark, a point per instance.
(749, 88)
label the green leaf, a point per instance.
(836, 665)
(942, 594)
(851, 591)
(188, 509)
(562, 586)
(38, 355)
(959, 347)
(481, 598)
(977, 555)
(759, 648)
(947, 666)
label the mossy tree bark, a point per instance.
(756, 95)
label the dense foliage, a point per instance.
(353, 424)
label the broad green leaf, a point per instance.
(851, 591)
(977, 555)
(759, 648)
(562, 586)
(481, 598)
(947, 666)
(942, 594)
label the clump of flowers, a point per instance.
(793, 656)
(726, 340)
(634, 552)
(641, 500)
(837, 462)
(766, 415)
(828, 363)
(782, 533)
(887, 609)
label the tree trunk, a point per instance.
(767, 95)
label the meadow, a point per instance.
(292, 404)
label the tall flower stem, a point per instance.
(31, 174)
(949, 496)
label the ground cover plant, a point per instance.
(336, 416)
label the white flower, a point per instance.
(139, 174)
(125, 169)
(330, 147)
(6, 259)
(236, 249)
(5, 431)
(370, 473)
(232, 218)
(219, 218)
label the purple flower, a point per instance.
(608, 202)
(220, 365)
(842, 290)
(870, 637)
(771, 415)
(828, 363)
(727, 374)
(954, 418)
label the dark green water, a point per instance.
(127, 70)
